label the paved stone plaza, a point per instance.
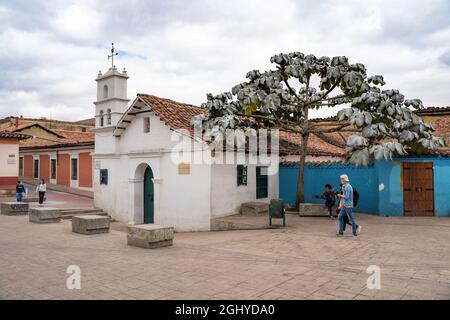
(56, 199)
(304, 261)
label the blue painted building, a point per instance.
(386, 188)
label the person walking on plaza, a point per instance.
(341, 205)
(40, 189)
(330, 198)
(20, 191)
(347, 206)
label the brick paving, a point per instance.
(56, 199)
(304, 261)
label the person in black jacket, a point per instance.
(20, 191)
(330, 198)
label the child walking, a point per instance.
(330, 198)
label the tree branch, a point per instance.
(329, 124)
(342, 136)
(275, 116)
(339, 97)
(329, 99)
(332, 87)
(291, 89)
(283, 123)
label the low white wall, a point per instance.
(227, 196)
(9, 166)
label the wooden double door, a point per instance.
(418, 188)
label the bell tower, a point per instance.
(112, 101)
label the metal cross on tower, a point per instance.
(113, 53)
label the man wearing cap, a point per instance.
(347, 200)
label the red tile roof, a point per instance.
(13, 135)
(176, 115)
(29, 125)
(20, 127)
(68, 138)
(61, 137)
(88, 122)
(290, 144)
(434, 111)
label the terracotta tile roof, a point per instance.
(88, 122)
(314, 163)
(13, 135)
(434, 111)
(20, 127)
(62, 137)
(24, 126)
(178, 115)
(290, 144)
(441, 152)
(69, 138)
(175, 114)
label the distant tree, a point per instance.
(282, 98)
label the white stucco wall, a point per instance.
(227, 196)
(182, 201)
(9, 166)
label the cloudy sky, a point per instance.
(51, 51)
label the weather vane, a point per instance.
(113, 53)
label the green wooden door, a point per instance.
(261, 182)
(148, 196)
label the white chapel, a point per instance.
(139, 176)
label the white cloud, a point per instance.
(76, 22)
(183, 50)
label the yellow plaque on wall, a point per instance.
(184, 168)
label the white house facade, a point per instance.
(140, 176)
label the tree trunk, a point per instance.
(301, 171)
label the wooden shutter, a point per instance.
(261, 182)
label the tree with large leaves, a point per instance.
(282, 98)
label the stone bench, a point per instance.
(312, 210)
(90, 224)
(254, 208)
(14, 208)
(8, 192)
(149, 236)
(44, 215)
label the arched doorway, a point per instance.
(149, 196)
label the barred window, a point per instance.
(104, 176)
(241, 175)
(74, 170)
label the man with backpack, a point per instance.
(347, 204)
